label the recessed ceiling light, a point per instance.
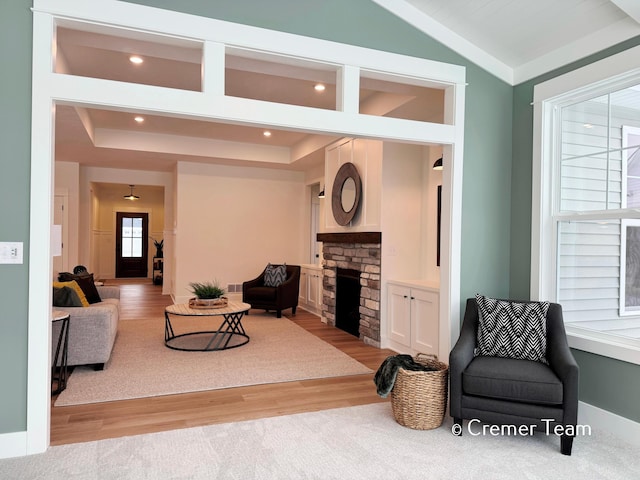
(266, 133)
(139, 119)
(587, 125)
(319, 87)
(136, 59)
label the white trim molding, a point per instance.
(13, 445)
(599, 419)
(124, 19)
(605, 345)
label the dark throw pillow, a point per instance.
(512, 329)
(85, 280)
(66, 297)
(275, 275)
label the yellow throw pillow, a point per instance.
(73, 284)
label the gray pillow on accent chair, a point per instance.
(275, 275)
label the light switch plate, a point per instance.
(11, 252)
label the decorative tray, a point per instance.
(208, 303)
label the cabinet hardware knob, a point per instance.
(413, 298)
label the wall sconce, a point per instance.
(131, 196)
(438, 164)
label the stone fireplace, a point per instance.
(360, 252)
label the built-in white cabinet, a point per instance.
(412, 317)
(310, 297)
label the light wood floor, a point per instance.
(83, 423)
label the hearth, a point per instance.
(348, 300)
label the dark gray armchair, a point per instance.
(255, 293)
(505, 391)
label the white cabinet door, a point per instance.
(310, 296)
(399, 314)
(304, 286)
(313, 293)
(424, 321)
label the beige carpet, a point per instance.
(355, 443)
(141, 365)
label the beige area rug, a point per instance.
(142, 366)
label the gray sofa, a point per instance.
(92, 329)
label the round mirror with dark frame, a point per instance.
(346, 193)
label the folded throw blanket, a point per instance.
(386, 375)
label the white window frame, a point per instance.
(612, 73)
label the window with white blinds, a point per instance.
(596, 212)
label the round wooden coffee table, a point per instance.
(230, 333)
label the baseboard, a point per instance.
(13, 444)
(599, 419)
(307, 308)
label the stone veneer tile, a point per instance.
(366, 259)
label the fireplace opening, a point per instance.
(348, 300)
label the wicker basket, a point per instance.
(419, 399)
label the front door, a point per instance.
(131, 244)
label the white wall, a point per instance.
(402, 211)
(232, 221)
(67, 176)
(431, 179)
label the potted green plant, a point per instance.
(208, 295)
(159, 246)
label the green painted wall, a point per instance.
(604, 382)
(15, 154)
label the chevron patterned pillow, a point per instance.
(512, 329)
(275, 275)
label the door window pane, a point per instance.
(132, 237)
